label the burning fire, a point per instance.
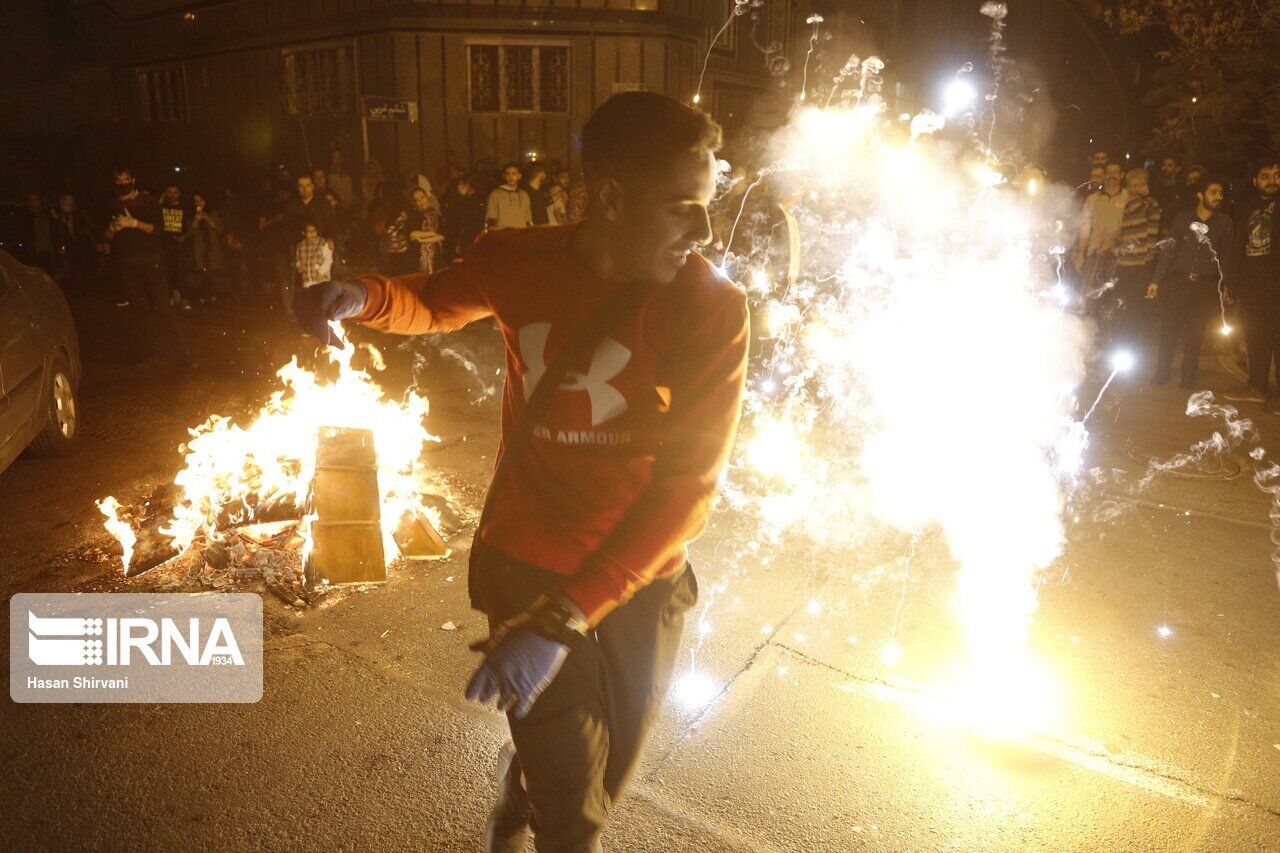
(232, 474)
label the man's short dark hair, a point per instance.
(533, 169)
(1208, 180)
(121, 170)
(634, 134)
(1269, 161)
(309, 222)
(511, 165)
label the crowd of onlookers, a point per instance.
(1188, 252)
(1172, 247)
(173, 247)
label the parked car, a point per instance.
(39, 365)
(17, 234)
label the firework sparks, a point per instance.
(923, 273)
(1201, 230)
(814, 21)
(739, 8)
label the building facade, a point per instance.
(234, 87)
(223, 89)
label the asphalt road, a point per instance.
(811, 742)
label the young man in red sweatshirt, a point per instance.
(581, 563)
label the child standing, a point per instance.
(313, 257)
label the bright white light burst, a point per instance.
(930, 367)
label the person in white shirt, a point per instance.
(1100, 229)
(509, 205)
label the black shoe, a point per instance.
(508, 828)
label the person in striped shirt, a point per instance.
(1135, 249)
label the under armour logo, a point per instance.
(609, 360)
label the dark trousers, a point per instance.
(1132, 308)
(1260, 317)
(152, 312)
(209, 285)
(580, 744)
(173, 264)
(1187, 306)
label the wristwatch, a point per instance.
(557, 620)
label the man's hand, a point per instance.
(1151, 290)
(519, 663)
(124, 220)
(316, 306)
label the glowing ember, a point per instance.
(1122, 361)
(694, 690)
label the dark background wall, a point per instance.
(69, 75)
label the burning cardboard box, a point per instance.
(346, 526)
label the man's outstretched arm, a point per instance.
(706, 398)
(406, 305)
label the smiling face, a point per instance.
(1136, 183)
(660, 220)
(1112, 177)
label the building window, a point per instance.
(320, 80)
(163, 94)
(727, 44)
(518, 78)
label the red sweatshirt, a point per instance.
(622, 471)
